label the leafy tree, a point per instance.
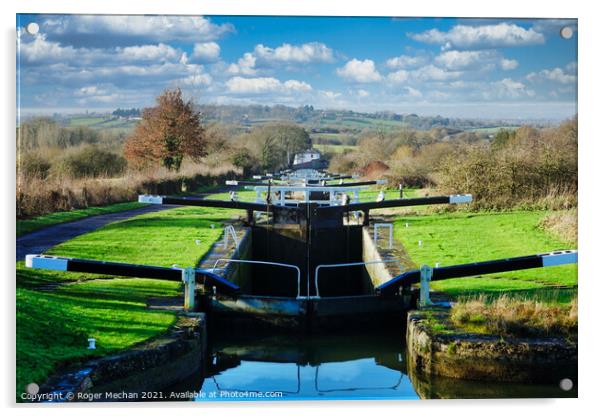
(167, 133)
(245, 161)
(275, 145)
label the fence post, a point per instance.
(426, 272)
(189, 279)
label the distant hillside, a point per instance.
(337, 121)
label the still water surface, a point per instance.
(331, 367)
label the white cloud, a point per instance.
(158, 28)
(206, 52)
(331, 95)
(89, 90)
(362, 93)
(508, 88)
(359, 71)
(434, 73)
(294, 85)
(398, 76)
(462, 59)
(41, 50)
(474, 60)
(477, 37)
(240, 85)
(556, 75)
(508, 64)
(244, 66)
(405, 61)
(160, 52)
(553, 26)
(196, 80)
(413, 92)
(287, 53)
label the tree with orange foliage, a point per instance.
(167, 133)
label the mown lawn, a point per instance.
(53, 325)
(462, 237)
(33, 224)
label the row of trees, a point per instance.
(524, 164)
(520, 166)
(47, 149)
(172, 130)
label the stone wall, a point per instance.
(485, 357)
(150, 367)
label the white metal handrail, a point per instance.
(363, 263)
(269, 263)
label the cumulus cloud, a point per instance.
(553, 26)
(196, 80)
(206, 52)
(481, 37)
(362, 93)
(259, 85)
(463, 59)
(508, 64)
(287, 53)
(359, 71)
(562, 76)
(405, 61)
(434, 73)
(398, 76)
(41, 50)
(244, 66)
(413, 92)
(160, 52)
(330, 95)
(508, 88)
(474, 60)
(126, 29)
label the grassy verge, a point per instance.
(468, 237)
(511, 316)
(53, 325)
(43, 221)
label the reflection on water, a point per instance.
(367, 366)
(330, 367)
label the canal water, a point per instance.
(331, 367)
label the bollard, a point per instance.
(426, 272)
(189, 279)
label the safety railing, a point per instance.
(267, 263)
(324, 266)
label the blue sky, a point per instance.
(474, 68)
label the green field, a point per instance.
(53, 325)
(468, 237)
(112, 123)
(334, 148)
(43, 221)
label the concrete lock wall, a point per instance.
(288, 244)
(377, 273)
